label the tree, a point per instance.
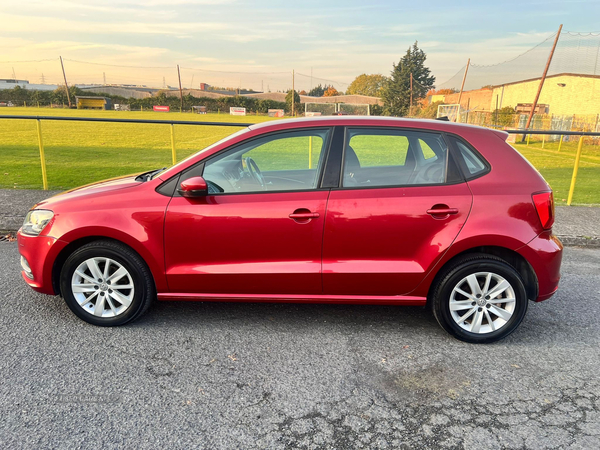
(396, 93)
(330, 92)
(317, 91)
(371, 85)
(288, 101)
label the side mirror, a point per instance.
(193, 187)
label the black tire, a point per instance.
(457, 271)
(144, 290)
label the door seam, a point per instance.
(323, 240)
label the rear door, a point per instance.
(401, 202)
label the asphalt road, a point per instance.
(224, 376)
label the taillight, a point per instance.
(544, 205)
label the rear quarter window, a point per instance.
(474, 164)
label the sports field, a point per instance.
(78, 153)
(557, 168)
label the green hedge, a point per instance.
(21, 97)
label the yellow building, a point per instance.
(565, 94)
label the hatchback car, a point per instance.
(337, 210)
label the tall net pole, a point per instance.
(539, 91)
(462, 86)
(180, 90)
(65, 77)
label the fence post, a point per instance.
(543, 140)
(173, 151)
(42, 155)
(560, 142)
(528, 140)
(574, 178)
(310, 152)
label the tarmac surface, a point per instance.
(274, 376)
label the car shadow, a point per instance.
(286, 315)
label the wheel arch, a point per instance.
(512, 257)
(64, 254)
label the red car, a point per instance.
(336, 210)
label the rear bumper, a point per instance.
(40, 253)
(544, 253)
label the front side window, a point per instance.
(286, 161)
(391, 157)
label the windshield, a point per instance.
(231, 136)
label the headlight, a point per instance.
(36, 220)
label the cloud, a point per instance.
(37, 24)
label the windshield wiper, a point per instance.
(148, 175)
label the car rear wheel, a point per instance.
(106, 283)
(480, 299)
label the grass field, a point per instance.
(82, 152)
(557, 169)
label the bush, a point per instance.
(288, 102)
(506, 116)
(430, 111)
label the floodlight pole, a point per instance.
(293, 93)
(180, 90)
(539, 91)
(65, 77)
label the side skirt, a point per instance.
(274, 298)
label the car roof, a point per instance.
(373, 121)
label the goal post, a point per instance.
(329, 109)
(452, 111)
(354, 109)
(319, 109)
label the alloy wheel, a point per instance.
(102, 287)
(482, 302)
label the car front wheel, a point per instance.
(480, 299)
(106, 283)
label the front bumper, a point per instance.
(40, 253)
(544, 253)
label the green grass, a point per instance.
(78, 153)
(557, 168)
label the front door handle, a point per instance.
(303, 215)
(442, 211)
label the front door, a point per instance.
(401, 204)
(260, 229)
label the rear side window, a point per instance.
(474, 163)
(395, 157)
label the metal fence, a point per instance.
(582, 134)
(172, 123)
(500, 119)
(560, 133)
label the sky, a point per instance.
(257, 44)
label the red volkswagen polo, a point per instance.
(337, 210)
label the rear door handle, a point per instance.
(304, 216)
(442, 211)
